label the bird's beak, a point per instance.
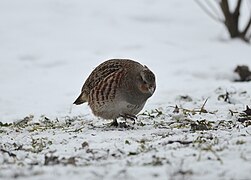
(151, 89)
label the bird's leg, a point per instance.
(114, 123)
(129, 116)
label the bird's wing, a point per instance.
(100, 73)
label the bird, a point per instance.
(117, 88)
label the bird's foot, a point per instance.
(114, 123)
(130, 116)
(117, 124)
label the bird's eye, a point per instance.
(144, 82)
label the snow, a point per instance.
(49, 47)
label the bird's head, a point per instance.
(146, 81)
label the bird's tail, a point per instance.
(81, 99)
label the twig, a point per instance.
(202, 108)
(237, 8)
(207, 11)
(9, 153)
(178, 141)
(247, 27)
(209, 3)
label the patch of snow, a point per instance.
(49, 47)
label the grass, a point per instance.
(153, 141)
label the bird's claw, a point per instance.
(129, 116)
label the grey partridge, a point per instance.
(117, 87)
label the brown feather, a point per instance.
(114, 88)
(81, 99)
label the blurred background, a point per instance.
(49, 47)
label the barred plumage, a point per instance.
(117, 87)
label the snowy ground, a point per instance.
(48, 48)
